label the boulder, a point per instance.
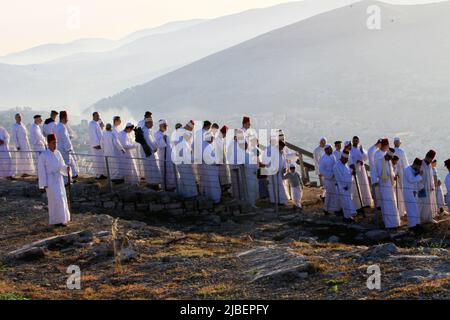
(378, 235)
(381, 250)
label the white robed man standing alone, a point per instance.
(343, 176)
(51, 169)
(95, 139)
(24, 156)
(37, 139)
(411, 180)
(362, 196)
(326, 165)
(64, 143)
(6, 161)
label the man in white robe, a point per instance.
(49, 124)
(362, 196)
(343, 176)
(128, 162)
(209, 171)
(411, 180)
(338, 150)
(199, 144)
(275, 165)
(438, 183)
(24, 156)
(151, 163)
(447, 183)
(252, 161)
(427, 190)
(236, 159)
(326, 165)
(398, 177)
(401, 154)
(386, 183)
(221, 151)
(64, 143)
(140, 151)
(166, 165)
(113, 151)
(37, 140)
(51, 169)
(380, 151)
(6, 160)
(183, 157)
(317, 154)
(95, 139)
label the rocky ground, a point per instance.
(251, 255)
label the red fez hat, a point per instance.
(418, 162)
(245, 120)
(51, 137)
(224, 129)
(385, 142)
(447, 163)
(431, 154)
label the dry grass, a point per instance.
(421, 290)
(216, 291)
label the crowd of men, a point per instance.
(395, 187)
(214, 160)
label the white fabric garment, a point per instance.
(24, 163)
(377, 153)
(165, 160)
(337, 154)
(318, 153)
(48, 127)
(343, 176)
(358, 158)
(276, 188)
(152, 170)
(73, 157)
(385, 174)
(332, 201)
(112, 148)
(37, 139)
(403, 159)
(427, 198)
(51, 169)
(187, 185)
(411, 182)
(439, 191)
(95, 140)
(447, 186)
(209, 173)
(399, 190)
(6, 160)
(64, 145)
(251, 175)
(128, 167)
(224, 169)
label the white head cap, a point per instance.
(162, 121)
(129, 125)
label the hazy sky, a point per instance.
(27, 23)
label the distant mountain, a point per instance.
(81, 79)
(330, 65)
(52, 51)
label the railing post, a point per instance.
(108, 172)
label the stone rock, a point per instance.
(378, 235)
(26, 254)
(333, 239)
(104, 219)
(127, 254)
(381, 250)
(275, 264)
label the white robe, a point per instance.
(128, 166)
(95, 140)
(37, 139)
(152, 170)
(332, 201)
(51, 169)
(24, 158)
(112, 150)
(251, 176)
(277, 191)
(343, 176)
(224, 169)
(165, 160)
(6, 160)
(209, 172)
(236, 160)
(385, 174)
(187, 184)
(427, 198)
(64, 146)
(377, 153)
(361, 177)
(410, 189)
(439, 191)
(49, 128)
(317, 154)
(399, 173)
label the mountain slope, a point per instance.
(82, 79)
(329, 62)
